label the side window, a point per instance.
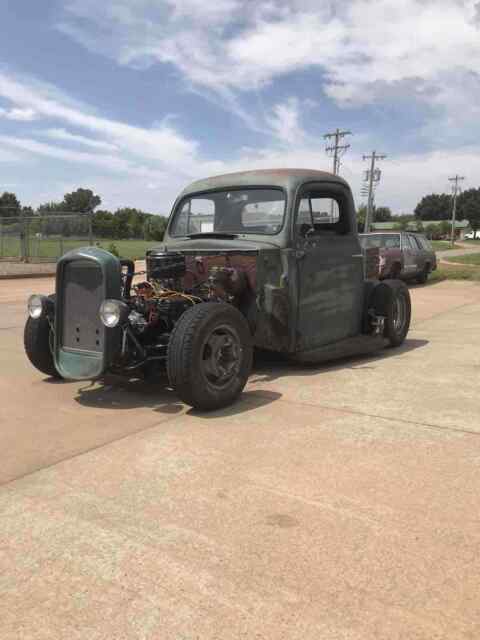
(407, 242)
(320, 215)
(425, 243)
(196, 216)
(414, 243)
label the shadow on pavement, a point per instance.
(122, 393)
(272, 366)
(119, 393)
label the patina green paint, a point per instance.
(80, 364)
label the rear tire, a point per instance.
(391, 299)
(210, 355)
(423, 275)
(36, 340)
(395, 271)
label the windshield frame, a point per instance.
(198, 194)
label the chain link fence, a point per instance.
(43, 238)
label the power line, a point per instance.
(372, 176)
(337, 150)
(455, 188)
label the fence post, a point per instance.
(62, 231)
(90, 227)
(23, 241)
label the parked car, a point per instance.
(267, 259)
(472, 235)
(404, 255)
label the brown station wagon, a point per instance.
(404, 255)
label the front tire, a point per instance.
(210, 355)
(36, 340)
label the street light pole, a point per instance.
(456, 180)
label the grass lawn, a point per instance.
(472, 259)
(443, 245)
(54, 247)
(455, 272)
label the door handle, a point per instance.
(357, 255)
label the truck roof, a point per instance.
(286, 178)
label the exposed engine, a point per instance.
(174, 284)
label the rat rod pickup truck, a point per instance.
(268, 259)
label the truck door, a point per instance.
(330, 266)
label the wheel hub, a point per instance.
(221, 356)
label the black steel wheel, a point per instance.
(210, 355)
(38, 343)
(391, 299)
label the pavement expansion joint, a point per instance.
(426, 425)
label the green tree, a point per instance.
(361, 215)
(434, 207)
(50, 208)
(81, 201)
(468, 207)
(432, 231)
(10, 206)
(155, 227)
(103, 224)
(382, 214)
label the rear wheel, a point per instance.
(210, 355)
(37, 340)
(395, 271)
(423, 275)
(392, 301)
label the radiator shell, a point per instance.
(84, 347)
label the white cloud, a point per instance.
(365, 53)
(243, 45)
(284, 122)
(161, 144)
(22, 115)
(62, 134)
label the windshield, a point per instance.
(381, 241)
(239, 211)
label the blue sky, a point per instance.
(136, 98)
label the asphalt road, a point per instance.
(330, 503)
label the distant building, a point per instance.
(461, 226)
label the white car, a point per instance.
(472, 235)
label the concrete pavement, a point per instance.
(332, 502)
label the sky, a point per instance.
(136, 98)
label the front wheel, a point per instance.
(37, 342)
(210, 355)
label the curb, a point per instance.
(20, 276)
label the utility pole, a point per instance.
(373, 176)
(455, 188)
(337, 150)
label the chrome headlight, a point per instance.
(113, 313)
(36, 306)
